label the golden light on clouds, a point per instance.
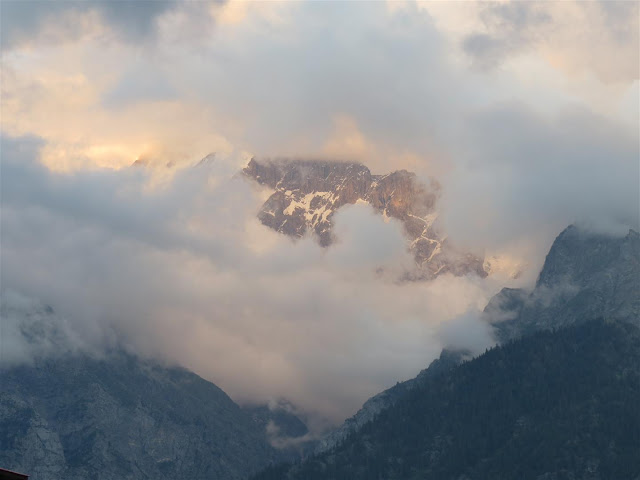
(67, 111)
(525, 113)
(573, 37)
(63, 87)
(346, 140)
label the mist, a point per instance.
(528, 129)
(183, 271)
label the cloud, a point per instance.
(170, 270)
(575, 37)
(467, 333)
(229, 88)
(515, 26)
(173, 259)
(39, 21)
(522, 177)
(32, 330)
(77, 117)
(380, 86)
(355, 227)
(138, 84)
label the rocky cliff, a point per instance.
(307, 193)
(586, 275)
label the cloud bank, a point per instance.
(183, 271)
(526, 113)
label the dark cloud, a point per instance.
(489, 51)
(617, 14)
(599, 37)
(513, 26)
(131, 20)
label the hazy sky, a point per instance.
(527, 114)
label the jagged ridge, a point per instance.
(309, 192)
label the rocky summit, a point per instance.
(307, 193)
(586, 275)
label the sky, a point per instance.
(525, 112)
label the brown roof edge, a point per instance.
(9, 475)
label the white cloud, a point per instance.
(545, 134)
(173, 272)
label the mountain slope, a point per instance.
(77, 417)
(307, 193)
(377, 403)
(585, 275)
(555, 405)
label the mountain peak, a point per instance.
(586, 275)
(577, 253)
(207, 160)
(307, 193)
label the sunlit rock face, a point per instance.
(307, 193)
